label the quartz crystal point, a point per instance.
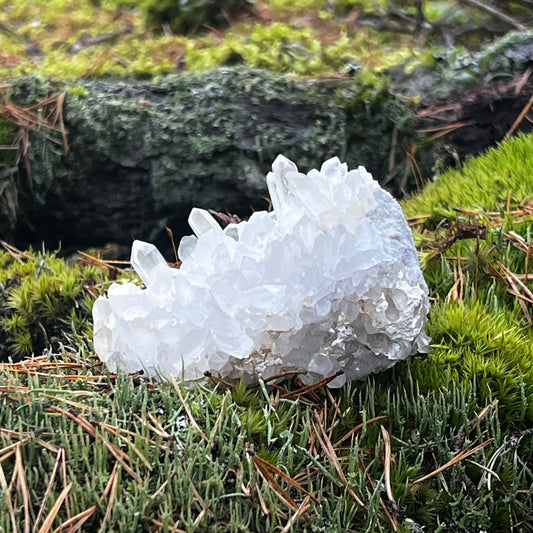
(327, 281)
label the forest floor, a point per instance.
(439, 443)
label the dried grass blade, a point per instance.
(7, 495)
(74, 524)
(457, 459)
(59, 458)
(55, 509)
(187, 410)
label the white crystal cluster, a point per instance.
(327, 281)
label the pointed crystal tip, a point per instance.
(145, 257)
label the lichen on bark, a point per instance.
(142, 154)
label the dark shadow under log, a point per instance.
(142, 154)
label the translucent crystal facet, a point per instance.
(327, 282)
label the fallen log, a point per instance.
(115, 160)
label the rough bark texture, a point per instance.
(142, 154)
(486, 113)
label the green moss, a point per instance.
(489, 348)
(42, 296)
(480, 331)
(483, 183)
(78, 91)
(59, 37)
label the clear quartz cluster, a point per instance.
(327, 281)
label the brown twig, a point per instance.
(520, 117)
(457, 459)
(495, 13)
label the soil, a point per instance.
(479, 117)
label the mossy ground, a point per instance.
(79, 444)
(68, 39)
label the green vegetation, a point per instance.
(42, 299)
(121, 452)
(497, 181)
(439, 443)
(68, 39)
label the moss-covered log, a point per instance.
(141, 154)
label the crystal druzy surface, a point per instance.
(327, 281)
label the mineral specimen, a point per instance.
(327, 281)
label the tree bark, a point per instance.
(142, 154)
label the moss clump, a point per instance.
(487, 182)
(481, 324)
(42, 298)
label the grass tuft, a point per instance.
(438, 443)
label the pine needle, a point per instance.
(22, 486)
(111, 492)
(457, 459)
(60, 457)
(55, 509)
(74, 524)
(187, 410)
(330, 453)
